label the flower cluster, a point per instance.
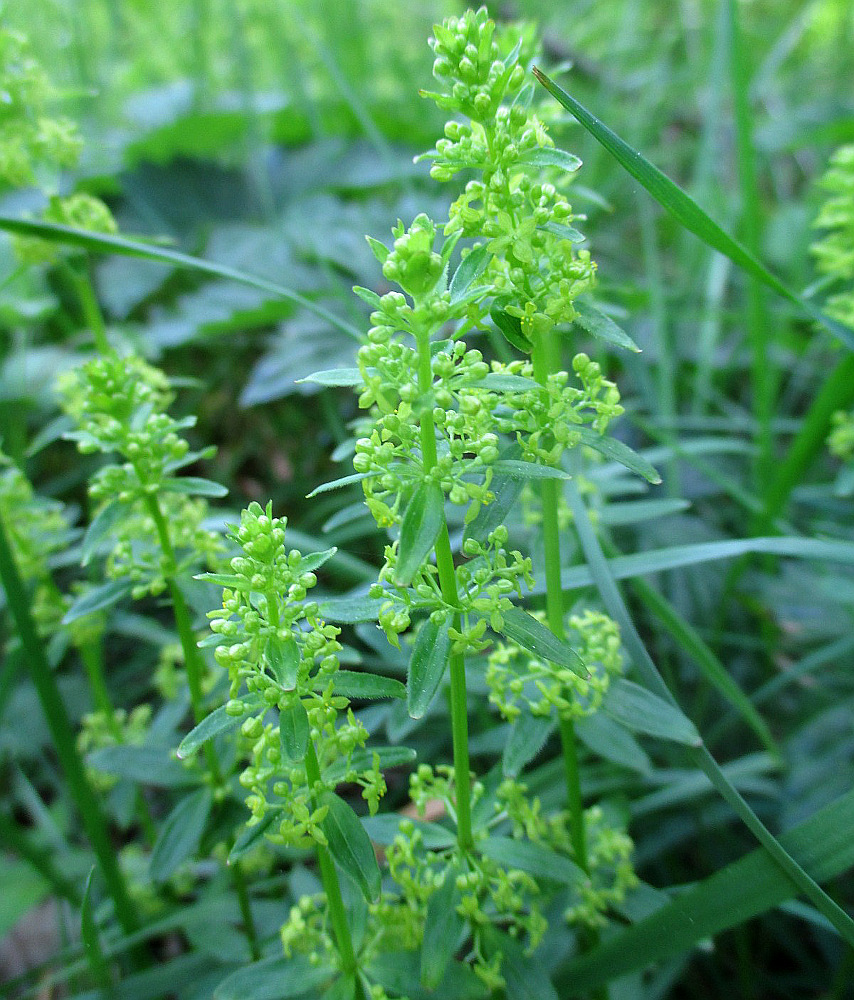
(835, 250)
(81, 211)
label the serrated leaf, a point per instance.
(644, 712)
(147, 765)
(335, 377)
(601, 326)
(294, 731)
(618, 452)
(422, 522)
(219, 721)
(380, 250)
(356, 684)
(528, 735)
(565, 232)
(350, 845)
(442, 930)
(528, 470)
(283, 656)
(180, 834)
(97, 599)
(533, 635)
(427, 665)
(536, 859)
(314, 560)
(274, 978)
(550, 157)
(511, 328)
(194, 486)
(469, 270)
(100, 527)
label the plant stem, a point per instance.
(448, 585)
(63, 735)
(545, 363)
(91, 309)
(249, 928)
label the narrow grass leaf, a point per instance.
(219, 721)
(644, 712)
(601, 326)
(442, 930)
(535, 859)
(294, 731)
(97, 599)
(194, 486)
(350, 845)
(533, 635)
(180, 834)
(422, 522)
(618, 452)
(516, 469)
(471, 268)
(356, 684)
(274, 978)
(684, 209)
(334, 377)
(283, 656)
(427, 665)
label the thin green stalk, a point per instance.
(63, 735)
(249, 928)
(448, 585)
(89, 304)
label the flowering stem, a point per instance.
(448, 585)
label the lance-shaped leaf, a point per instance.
(528, 735)
(275, 978)
(101, 526)
(442, 930)
(427, 665)
(528, 470)
(422, 521)
(350, 845)
(97, 599)
(363, 760)
(511, 328)
(194, 486)
(644, 712)
(334, 377)
(284, 658)
(531, 634)
(219, 721)
(180, 834)
(294, 731)
(355, 684)
(471, 268)
(618, 452)
(601, 326)
(536, 859)
(550, 157)
(250, 835)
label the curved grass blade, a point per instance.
(121, 246)
(684, 209)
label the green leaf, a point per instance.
(380, 250)
(507, 383)
(219, 721)
(350, 845)
(355, 684)
(823, 845)
(294, 731)
(91, 940)
(601, 326)
(180, 834)
(618, 452)
(511, 328)
(274, 978)
(363, 760)
(314, 560)
(146, 765)
(506, 490)
(194, 486)
(469, 270)
(442, 930)
(528, 735)
(531, 634)
(105, 243)
(350, 610)
(644, 712)
(565, 232)
(528, 470)
(283, 655)
(611, 741)
(96, 599)
(344, 988)
(335, 377)
(684, 209)
(102, 524)
(422, 522)
(369, 296)
(550, 157)
(230, 580)
(400, 974)
(384, 827)
(427, 665)
(249, 837)
(525, 978)
(338, 484)
(535, 859)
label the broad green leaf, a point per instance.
(422, 522)
(355, 684)
(105, 243)
(384, 827)
(533, 635)
(611, 741)
(363, 760)
(344, 988)
(528, 735)
(96, 599)
(194, 486)
(350, 845)
(335, 377)
(601, 326)
(535, 859)
(686, 211)
(294, 731)
(506, 490)
(618, 452)
(91, 939)
(249, 837)
(180, 834)
(528, 470)
(823, 845)
(380, 250)
(442, 930)
(427, 665)
(565, 232)
(550, 157)
(511, 328)
(146, 765)
(219, 721)
(644, 712)
(338, 484)
(100, 527)
(469, 270)
(350, 610)
(274, 978)
(283, 655)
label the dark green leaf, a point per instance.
(427, 665)
(335, 377)
(601, 326)
(506, 490)
(535, 859)
(528, 735)
(528, 470)
(350, 845)
(274, 978)
(283, 655)
(294, 731)
(344, 988)
(525, 978)
(442, 930)
(250, 836)
(96, 599)
(550, 157)
(618, 452)
(611, 741)
(511, 328)
(180, 834)
(469, 270)
(219, 721)
(422, 522)
(400, 973)
(194, 486)
(102, 524)
(355, 684)
(531, 634)
(644, 712)
(384, 827)
(147, 765)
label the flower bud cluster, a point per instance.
(514, 675)
(100, 729)
(841, 440)
(82, 211)
(834, 252)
